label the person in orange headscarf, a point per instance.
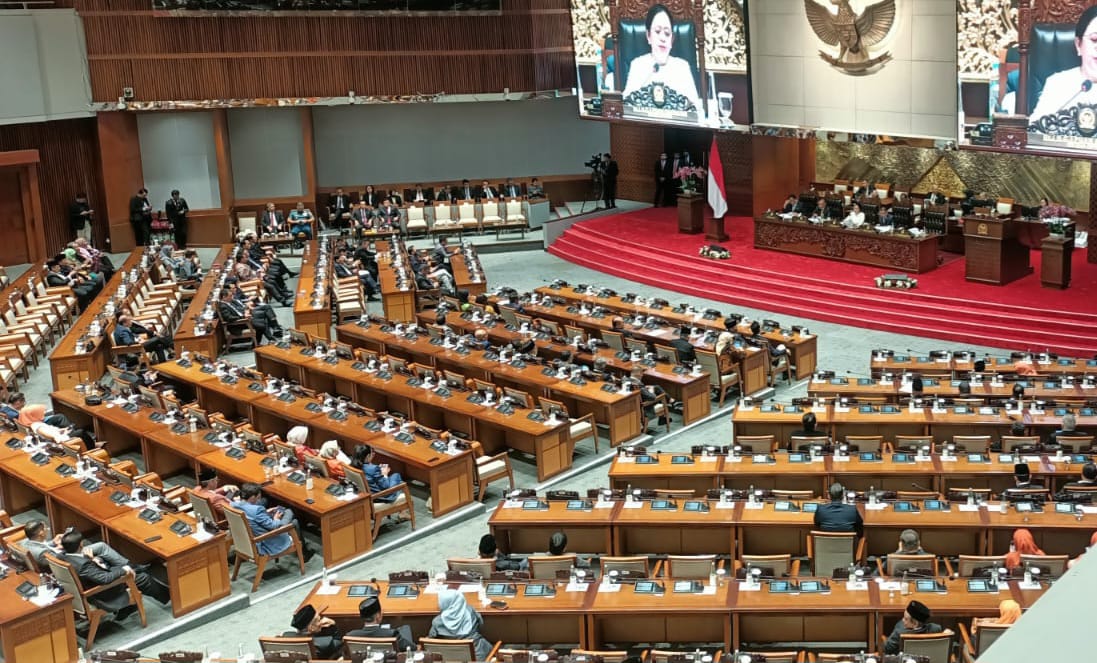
(1092, 542)
(1023, 544)
(1009, 611)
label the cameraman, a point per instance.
(609, 181)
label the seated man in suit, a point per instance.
(85, 289)
(1067, 430)
(38, 543)
(388, 215)
(373, 627)
(836, 516)
(535, 189)
(233, 310)
(339, 209)
(915, 620)
(418, 195)
(465, 192)
(489, 550)
(263, 520)
(307, 622)
(271, 221)
(124, 334)
(444, 195)
(790, 204)
(362, 218)
(910, 543)
(683, 346)
(884, 217)
(487, 192)
(512, 190)
(344, 268)
(1088, 477)
(820, 211)
(97, 565)
(1022, 478)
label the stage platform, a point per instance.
(645, 246)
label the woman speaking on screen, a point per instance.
(659, 79)
(1071, 87)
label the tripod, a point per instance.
(596, 190)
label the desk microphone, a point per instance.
(920, 487)
(1087, 85)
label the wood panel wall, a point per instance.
(635, 147)
(69, 164)
(525, 47)
(780, 166)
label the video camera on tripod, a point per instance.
(595, 162)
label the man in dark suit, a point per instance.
(663, 189)
(371, 613)
(837, 516)
(820, 211)
(141, 217)
(444, 195)
(102, 565)
(362, 218)
(465, 191)
(80, 215)
(418, 195)
(790, 204)
(325, 637)
(915, 620)
(487, 191)
(124, 335)
(683, 346)
(441, 253)
(512, 190)
(371, 197)
(176, 208)
(388, 215)
(1022, 478)
(609, 180)
(344, 268)
(233, 311)
(339, 209)
(271, 222)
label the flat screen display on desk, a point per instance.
(668, 63)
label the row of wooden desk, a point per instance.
(70, 367)
(896, 390)
(196, 564)
(670, 471)
(727, 614)
(619, 412)
(450, 477)
(313, 315)
(961, 366)
(689, 388)
(212, 338)
(736, 529)
(32, 632)
(802, 347)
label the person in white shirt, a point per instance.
(1071, 87)
(855, 218)
(659, 66)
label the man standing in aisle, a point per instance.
(141, 217)
(662, 180)
(609, 180)
(176, 208)
(80, 216)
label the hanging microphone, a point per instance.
(920, 487)
(1087, 85)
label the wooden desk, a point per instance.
(465, 278)
(802, 348)
(309, 316)
(700, 475)
(1055, 261)
(640, 530)
(993, 253)
(519, 530)
(624, 617)
(866, 247)
(69, 367)
(546, 619)
(210, 342)
(550, 446)
(961, 367)
(398, 300)
(620, 412)
(32, 633)
(839, 615)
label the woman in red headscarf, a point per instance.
(1023, 544)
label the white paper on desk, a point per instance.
(725, 505)
(736, 459)
(432, 588)
(328, 590)
(841, 410)
(1086, 509)
(42, 601)
(879, 506)
(857, 586)
(626, 459)
(1056, 459)
(603, 505)
(1088, 386)
(890, 586)
(948, 459)
(606, 588)
(707, 459)
(1027, 585)
(744, 587)
(635, 504)
(201, 534)
(818, 410)
(347, 496)
(709, 590)
(577, 587)
(512, 504)
(470, 588)
(938, 410)
(841, 459)
(969, 507)
(1030, 459)
(755, 505)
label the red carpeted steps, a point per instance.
(643, 246)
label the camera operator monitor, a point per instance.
(677, 63)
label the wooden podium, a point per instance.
(993, 253)
(1055, 254)
(691, 213)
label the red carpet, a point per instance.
(645, 246)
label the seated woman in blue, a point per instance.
(459, 621)
(378, 477)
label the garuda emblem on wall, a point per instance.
(852, 34)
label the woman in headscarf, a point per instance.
(1009, 611)
(1023, 544)
(166, 258)
(298, 436)
(334, 458)
(459, 621)
(1092, 542)
(726, 353)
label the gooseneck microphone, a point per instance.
(1087, 85)
(920, 487)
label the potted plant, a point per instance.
(690, 176)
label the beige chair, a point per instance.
(866, 443)
(913, 442)
(246, 222)
(630, 564)
(782, 565)
(966, 565)
(203, 508)
(1012, 442)
(607, 656)
(614, 340)
(1051, 566)
(515, 218)
(416, 219)
(832, 550)
(759, 443)
(490, 469)
(776, 656)
(781, 494)
(544, 567)
(689, 567)
(721, 384)
(466, 216)
(360, 644)
(380, 508)
(937, 646)
(317, 466)
(489, 213)
(482, 566)
(974, 443)
(979, 641)
(636, 345)
(244, 543)
(15, 548)
(898, 563)
(451, 651)
(291, 644)
(580, 428)
(236, 332)
(81, 598)
(443, 218)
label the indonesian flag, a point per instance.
(717, 200)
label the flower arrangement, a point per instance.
(896, 281)
(1055, 211)
(714, 251)
(690, 176)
